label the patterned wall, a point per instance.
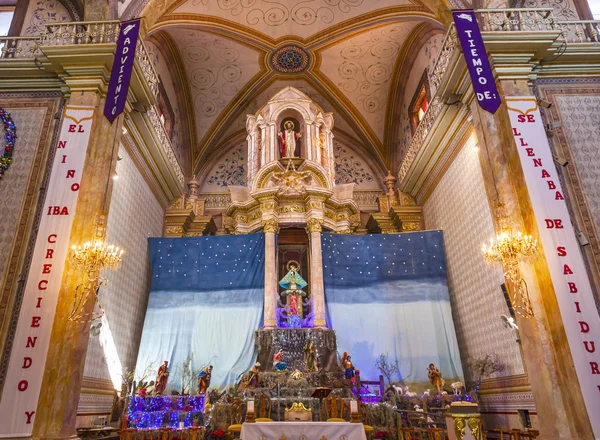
(581, 121)
(459, 206)
(563, 9)
(41, 12)
(14, 181)
(134, 215)
(362, 67)
(229, 170)
(425, 60)
(351, 167)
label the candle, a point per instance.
(250, 406)
(353, 406)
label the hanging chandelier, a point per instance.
(92, 257)
(509, 249)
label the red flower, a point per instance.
(217, 434)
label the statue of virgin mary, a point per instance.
(293, 283)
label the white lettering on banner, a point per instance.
(32, 338)
(565, 262)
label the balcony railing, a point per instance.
(19, 47)
(576, 32)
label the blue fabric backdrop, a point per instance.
(388, 294)
(206, 299)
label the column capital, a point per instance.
(271, 225)
(314, 225)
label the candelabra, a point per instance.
(92, 258)
(509, 249)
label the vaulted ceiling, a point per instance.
(350, 57)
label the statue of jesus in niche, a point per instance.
(288, 140)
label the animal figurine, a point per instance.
(458, 388)
(409, 393)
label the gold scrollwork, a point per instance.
(314, 225)
(254, 216)
(459, 427)
(314, 204)
(291, 208)
(271, 225)
(171, 230)
(410, 226)
(266, 206)
(474, 426)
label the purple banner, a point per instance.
(121, 70)
(473, 48)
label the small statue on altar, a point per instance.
(288, 139)
(310, 357)
(348, 366)
(278, 364)
(250, 379)
(435, 377)
(293, 283)
(204, 379)
(161, 379)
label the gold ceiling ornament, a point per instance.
(92, 257)
(509, 249)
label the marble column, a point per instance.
(271, 228)
(63, 374)
(317, 290)
(546, 354)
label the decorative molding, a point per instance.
(216, 201)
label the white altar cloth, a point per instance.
(303, 431)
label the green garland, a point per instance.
(10, 134)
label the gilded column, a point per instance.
(271, 228)
(317, 290)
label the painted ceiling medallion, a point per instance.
(290, 59)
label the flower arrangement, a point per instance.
(10, 135)
(219, 433)
(383, 435)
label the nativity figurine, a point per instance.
(278, 363)
(310, 357)
(251, 379)
(204, 379)
(348, 366)
(435, 377)
(161, 379)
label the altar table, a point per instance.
(303, 431)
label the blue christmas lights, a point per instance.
(164, 411)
